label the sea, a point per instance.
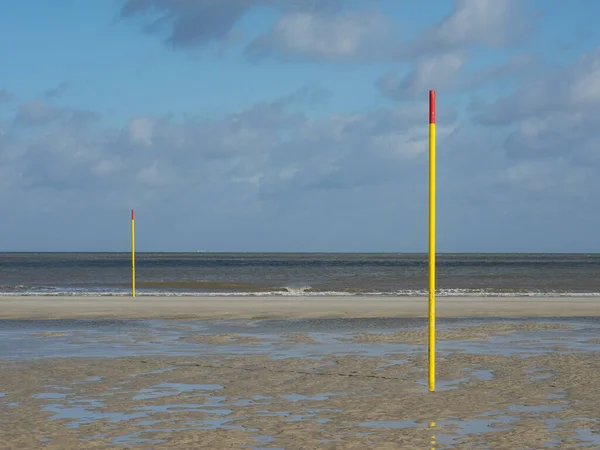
(298, 274)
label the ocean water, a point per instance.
(299, 274)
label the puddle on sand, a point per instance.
(395, 424)
(391, 363)
(92, 379)
(166, 369)
(263, 440)
(443, 385)
(443, 429)
(525, 343)
(114, 338)
(586, 435)
(84, 411)
(135, 439)
(171, 389)
(477, 426)
(449, 432)
(58, 388)
(483, 374)
(83, 416)
(535, 409)
(49, 395)
(560, 393)
(318, 397)
(89, 380)
(213, 401)
(267, 413)
(256, 400)
(210, 424)
(309, 414)
(540, 373)
(195, 407)
(299, 417)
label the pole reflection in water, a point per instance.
(432, 440)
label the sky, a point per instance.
(299, 125)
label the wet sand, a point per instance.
(299, 384)
(256, 307)
(341, 401)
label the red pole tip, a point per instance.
(432, 106)
(132, 215)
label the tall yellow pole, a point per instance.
(132, 253)
(431, 241)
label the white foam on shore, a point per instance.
(298, 292)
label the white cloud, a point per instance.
(569, 89)
(271, 166)
(584, 80)
(348, 35)
(141, 130)
(269, 148)
(436, 72)
(553, 114)
(271, 171)
(37, 112)
(189, 22)
(493, 23)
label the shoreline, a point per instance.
(290, 307)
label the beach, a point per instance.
(252, 307)
(300, 225)
(263, 372)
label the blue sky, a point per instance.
(298, 125)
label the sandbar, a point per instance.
(265, 307)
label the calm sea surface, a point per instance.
(297, 274)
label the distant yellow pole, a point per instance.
(132, 253)
(431, 241)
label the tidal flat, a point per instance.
(326, 383)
